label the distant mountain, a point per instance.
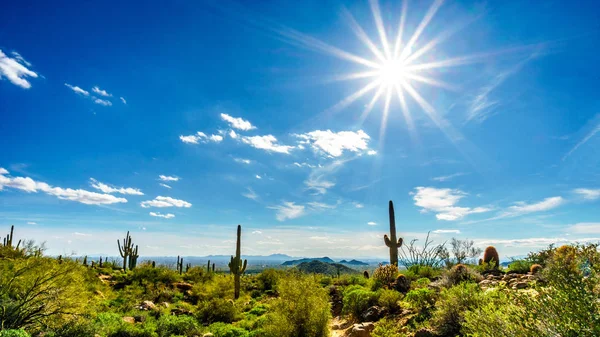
(320, 267)
(354, 263)
(296, 262)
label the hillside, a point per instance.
(354, 263)
(296, 262)
(319, 267)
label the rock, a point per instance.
(148, 305)
(183, 286)
(181, 311)
(373, 314)
(339, 324)
(521, 285)
(424, 333)
(129, 319)
(361, 330)
(140, 319)
(487, 283)
(208, 334)
(165, 304)
(401, 284)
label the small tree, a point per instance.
(429, 254)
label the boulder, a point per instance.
(183, 286)
(129, 319)
(208, 334)
(373, 314)
(520, 285)
(148, 305)
(361, 330)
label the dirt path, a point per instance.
(336, 322)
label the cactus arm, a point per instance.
(387, 241)
(244, 267)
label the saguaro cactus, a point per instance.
(8, 240)
(100, 263)
(208, 267)
(213, 268)
(133, 257)
(126, 249)
(391, 241)
(236, 267)
(85, 261)
(180, 265)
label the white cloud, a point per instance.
(267, 143)
(257, 232)
(358, 205)
(123, 100)
(319, 206)
(232, 134)
(165, 185)
(160, 215)
(250, 194)
(201, 137)
(109, 189)
(522, 207)
(334, 144)
(168, 178)
(304, 165)
(16, 70)
(77, 90)
(81, 234)
(31, 186)
(318, 185)
(595, 128)
(258, 177)
(533, 242)
(585, 228)
(31, 223)
(288, 210)
(101, 92)
(587, 193)
(446, 231)
(371, 152)
(448, 177)
(237, 123)
(165, 202)
(442, 201)
(242, 160)
(102, 101)
(372, 223)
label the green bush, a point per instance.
(388, 328)
(268, 279)
(421, 283)
(386, 274)
(416, 271)
(422, 300)
(217, 310)
(448, 316)
(13, 333)
(227, 330)
(302, 309)
(358, 299)
(390, 299)
(458, 274)
(168, 326)
(497, 316)
(259, 309)
(520, 266)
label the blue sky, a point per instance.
(179, 121)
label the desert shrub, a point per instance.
(259, 309)
(197, 274)
(325, 281)
(168, 326)
(40, 292)
(302, 309)
(220, 286)
(421, 283)
(82, 327)
(217, 310)
(458, 274)
(429, 254)
(268, 279)
(227, 330)
(146, 274)
(385, 274)
(13, 333)
(520, 266)
(358, 299)
(422, 300)
(448, 316)
(390, 299)
(112, 325)
(497, 316)
(419, 271)
(388, 328)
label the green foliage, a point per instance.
(421, 283)
(419, 271)
(448, 316)
(268, 279)
(390, 299)
(13, 333)
(497, 316)
(301, 310)
(168, 326)
(388, 328)
(520, 266)
(227, 330)
(422, 300)
(197, 274)
(358, 299)
(217, 310)
(458, 274)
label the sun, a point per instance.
(392, 73)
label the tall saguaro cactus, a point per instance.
(208, 267)
(126, 249)
(133, 258)
(236, 267)
(8, 240)
(179, 265)
(391, 241)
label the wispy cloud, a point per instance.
(594, 126)
(588, 193)
(372, 223)
(160, 215)
(483, 106)
(318, 184)
(250, 194)
(521, 208)
(29, 185)
(165, 202)
(303, 165)
(101, 92)
(533, 242)
(201, 137)
(123, 100)
(442, 201)
(584, 228)
(320, 206)
(242, 161)
(168, 178)
(288, 210)
(448, 177)
(358, 204)
(101, 101)
(237, 123)
(77, 90)
(334, 144)
(267, 143)
(165, 185)
(446, 231)
(110, 189)
(16, 69)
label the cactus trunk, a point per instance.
(392, 242)
(236, 267)
(126, 250)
